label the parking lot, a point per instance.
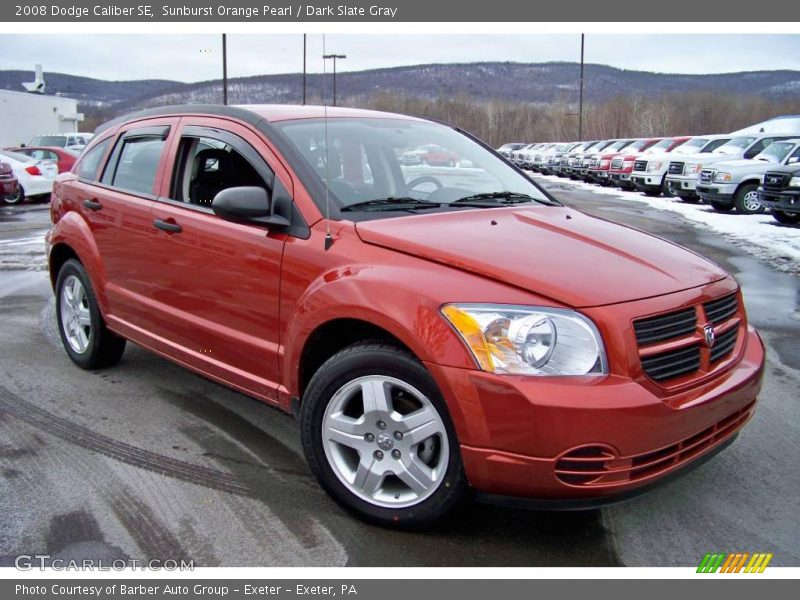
(147, 460)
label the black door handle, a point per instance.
(92, 204)
(167, 226)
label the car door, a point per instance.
(218, 281)
(117, 204)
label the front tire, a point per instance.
(378, 438)
(720, 207)
(746, 200)
(785, 218)
(86, 338)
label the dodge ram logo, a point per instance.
(773, 180)
(708, 335)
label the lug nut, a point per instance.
(381, 425)
(398, 435)
(396, 453)
(378, 455)
(369, 437)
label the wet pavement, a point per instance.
(146, 460)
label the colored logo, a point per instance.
(734, 562)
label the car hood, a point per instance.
(557, 252)
(745, 164)
(707, 158)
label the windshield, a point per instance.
(735, 146)
(692, 146)
(659, 147)
(638, 144)
(775, 152)
(367, 159)
(617, 145)
(49, 140)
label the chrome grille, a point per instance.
(676, 168)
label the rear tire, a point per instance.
(746, 200)
(17, 198)
(719, 207)
(86, 338)
(368, 390)
(785, 218)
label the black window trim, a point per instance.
(103, 160)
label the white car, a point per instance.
(73, 141)
(35, 176)
(649, 173)
(684, 173)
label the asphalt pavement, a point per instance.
(147, 460)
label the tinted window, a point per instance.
(206, 166)
(49, 140)
(138, 164)
(89, 166)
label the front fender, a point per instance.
(73, 231)
(385, 296)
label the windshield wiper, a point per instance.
(497, 198)
(390, 203)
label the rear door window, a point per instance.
(134, 163)
(91, 162)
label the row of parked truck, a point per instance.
(749, 173)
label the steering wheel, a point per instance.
(424, 179)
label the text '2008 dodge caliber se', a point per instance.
(444, 329)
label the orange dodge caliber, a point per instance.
(439, 331)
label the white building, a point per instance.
(24, 115)
(786, 124)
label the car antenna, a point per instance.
(328, 236)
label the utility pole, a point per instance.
(304, 68)
(224, 69)
(334, 57)
(580, 101)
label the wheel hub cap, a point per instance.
(385, 441)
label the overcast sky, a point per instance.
(198, 57)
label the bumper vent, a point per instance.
(664, 327)
(597, 466)
(676, 168)
(721, 309)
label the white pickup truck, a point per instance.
(733, 184)
(683, 174)
(649, 173)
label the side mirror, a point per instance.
(247, 204)
(792, 160)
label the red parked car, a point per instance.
(622, 165)
(433, 334)
(9, 186)
(65, 157)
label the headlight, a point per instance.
(692, 168)
(529, 340)
(654, 167)
(722, 176)
(794, 182)
(604, 164)
(627, 164)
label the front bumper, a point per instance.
(683, 186)
(646, 182)
(721, 193)
(520, 435)
(786, 201)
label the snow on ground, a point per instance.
(24, 253)
(760, 235)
